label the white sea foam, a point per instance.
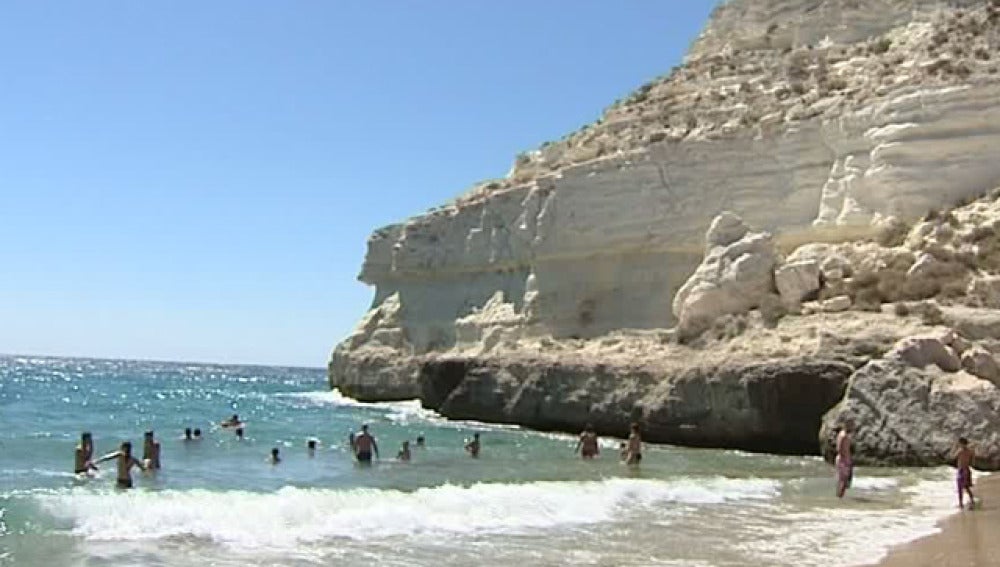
(852, 534)
(292, 516)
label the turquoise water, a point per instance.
(526, 501)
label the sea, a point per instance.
(527, 500)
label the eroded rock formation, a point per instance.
(828, 140)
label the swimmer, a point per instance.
(421, 442)
(404, 452)
(963, 460)
(587, 446)
(473, 446)
(311, 447)
(231, 422)
(275, 456)
(239, 433)
(197, 434)
(84, 454)
(364, 446)
(150, 451)
(125, 463)
(844, 462)
(187, 434)
(623, 451)
(633, 454)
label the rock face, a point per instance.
(761, 407)
(839, 130)
(912, 416)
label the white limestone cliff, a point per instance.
(812, 120)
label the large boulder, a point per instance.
(736, 275)
(796, 281)
(910, 416)
(920, 352)
(979, 362)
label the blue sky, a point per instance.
(196, 180)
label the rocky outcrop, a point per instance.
(576, 289)
(775, 407)
(735, 276)
(907, 415)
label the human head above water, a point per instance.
(197, 432)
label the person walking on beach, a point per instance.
(364, 446)
(963, 460)
(633, 454)
(150, 451)
(473, 446)
(84, 454)
(125, 463)
(844, 462)
(588, 446)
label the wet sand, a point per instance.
(967, 539)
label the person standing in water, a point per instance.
(587, 446)
(187, 434)
(963, 460)
(311, 447)
(421, 442)
(84, 454)
(633, 451)
(150, 451)
(125, 462)
(364, 446)
(844, 462)
(473, 446)
(275, 456)
(404, 452)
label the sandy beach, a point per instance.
(967, 539)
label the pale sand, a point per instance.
(967, 539)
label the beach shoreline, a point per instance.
(965, 539)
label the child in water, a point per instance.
(404, 452)
(125, 462)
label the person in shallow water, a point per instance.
(473, 446)
(587, 446)
(633, 454)
(83, 454)
(365, 445)
(963, 460)
(844, 461)
(404, 452)
(197, 434)
(150, 451)
(311, 447)
(187, 434)
(421, 442)
(275, 456)
(231, 422)
(125, 462)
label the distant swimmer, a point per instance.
(404, 452)
(150, 451)
(587, 446)
(311, 447)
(364, 446)
(239, 433)
(622, 451)
(125, 463)
(421, 442)
(187, 434)
(275, 456)
(844, 461)
(231, 422)
(84, 454)
(633, 453)
(963, 460)
(473, 446)
(197, 434)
